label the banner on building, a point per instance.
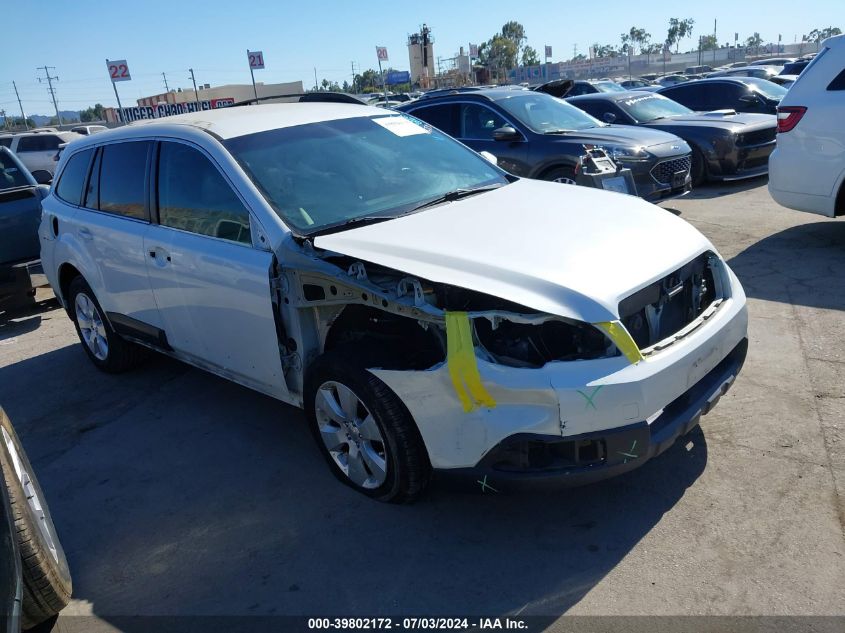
(395, 77)
(161, 110)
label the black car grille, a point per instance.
(664, 171)
(668, 305)
(757, 137)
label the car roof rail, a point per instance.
(306, 97)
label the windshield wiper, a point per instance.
(359, 221)
(452, 196)
(558, 132)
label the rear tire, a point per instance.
(395, 464)
(46, 578)
(105, 347)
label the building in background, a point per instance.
(421, 57)
(178, 100)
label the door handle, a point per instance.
(85, 234)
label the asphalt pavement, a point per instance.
(178, 493)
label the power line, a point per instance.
(49, 80)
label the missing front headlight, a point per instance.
(535, 344)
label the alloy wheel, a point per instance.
(91, 326)
(351, 435)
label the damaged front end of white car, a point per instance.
(512, 373)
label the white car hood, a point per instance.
(564, 250)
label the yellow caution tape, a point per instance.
(622, 339)
(463, 368)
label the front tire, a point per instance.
(698, 170)
(106, 349)
(46, 578)
(563, 175)
(364, 431)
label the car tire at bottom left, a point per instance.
(47, 583)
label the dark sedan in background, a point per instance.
(535, 135)
(724, 146)
(743, 94)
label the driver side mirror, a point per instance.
(506, 133)
(609, 117)
(42, 176)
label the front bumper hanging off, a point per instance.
(527, 460)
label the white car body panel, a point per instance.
(807, 169)
(213, 301)
(554, 266)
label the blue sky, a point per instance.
(212, 37)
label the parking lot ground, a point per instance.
(178, 493)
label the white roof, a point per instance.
(240, 120)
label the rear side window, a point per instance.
(194, 196)
(38, 143)
(838, 82)
(72, 179)
(6, 142)
(123, 172)
(440, 116)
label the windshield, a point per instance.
(649, 107)
(766, 88)
(608, 86)
(326, 174)
(543, 113)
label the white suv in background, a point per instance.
(38, 150)
(431, 313)
(807, 169)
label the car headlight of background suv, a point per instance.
(626, 154)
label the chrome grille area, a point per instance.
(663, 171)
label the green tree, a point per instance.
(708, 42)
(819, 35)
(530, 57)
(678, 30)
(498, 52)
(755, 41)
(604, 50)
(96, 113)
(515, 32)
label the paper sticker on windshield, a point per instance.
(400, 126)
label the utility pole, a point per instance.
(196, 93)
(49, 81)
(316, 85)
(715, 41)
(23, 116)
(166, 87)
(353, 77)
(574, 51)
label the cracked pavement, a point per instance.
(175, 492)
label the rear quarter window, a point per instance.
(122, 179)
(6, 142)
(72, 178)
(838, 82)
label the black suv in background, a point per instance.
(743, 94)
(724, 146)
(535, 135)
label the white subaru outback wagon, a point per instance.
(432, 314)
